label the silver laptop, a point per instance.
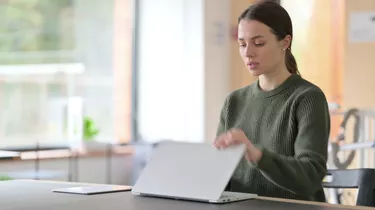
(191, 171)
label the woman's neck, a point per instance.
(271, 81)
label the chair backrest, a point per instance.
(363, 179)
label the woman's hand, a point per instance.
(237, 136)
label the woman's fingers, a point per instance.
(233, 136)
(217, 143)
(221, 141)
(224, 141)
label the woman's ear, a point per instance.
(286, 42)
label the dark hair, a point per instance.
(277, 18)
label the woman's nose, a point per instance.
(249, 52)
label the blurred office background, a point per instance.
(88, 86)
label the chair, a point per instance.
(363, 179)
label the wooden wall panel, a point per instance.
(240, 76)
(359, 63)
(122, 68)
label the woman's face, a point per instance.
(259, 47)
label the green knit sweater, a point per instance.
(291, 125)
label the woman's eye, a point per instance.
(242, 45)
(259, 45)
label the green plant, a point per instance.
(4, 178)
(89, 129)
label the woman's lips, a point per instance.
(252, 65)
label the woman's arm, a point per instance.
(303, 173)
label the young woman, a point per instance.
(282, 119)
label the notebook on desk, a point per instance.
(92, 190)
(191, 171)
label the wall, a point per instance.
(217, 62)
(359, 63)
(239, 75)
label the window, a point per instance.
(63, 63)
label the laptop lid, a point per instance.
(188, 170)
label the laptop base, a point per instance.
(227, 197)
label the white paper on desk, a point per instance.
(362, 27)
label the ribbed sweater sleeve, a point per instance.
(223, 118)
(302, 173)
